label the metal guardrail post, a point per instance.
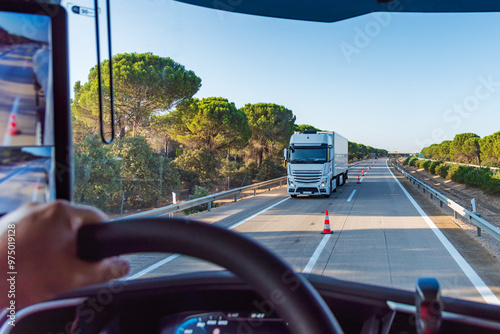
(235, 197)
(478, 231)
(254, 192)
(455, 214)
(269, 187)
(209, 205)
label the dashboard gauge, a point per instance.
(191, 326)
(223, 322)
(210, 323)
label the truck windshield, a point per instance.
(308, 155)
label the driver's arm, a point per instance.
(45, 253)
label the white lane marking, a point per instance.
(258, 213)
(174, 256)
(314, 258)
(352, 195)
(478, 283)
(361, 179)
(13, 111)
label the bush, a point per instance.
(97, 175)
(235, 171)
(198, 193)
(492, 187)
(426, 165)
(252, 169)
(420, 163)
(433, 166)
(407, 160)
(413, 161)
(199, 164)
(477, 177)
(442, 170)
(457, 173)
(270, 170)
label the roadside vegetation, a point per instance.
(467, 148)
(481, 178)
(169, 141)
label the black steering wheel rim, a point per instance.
(292, 296)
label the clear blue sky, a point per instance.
(398, 81)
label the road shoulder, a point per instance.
(484, 263)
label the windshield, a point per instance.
(207, 100)
(308, 155)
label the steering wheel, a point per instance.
(293, 297)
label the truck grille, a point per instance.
(307, 176)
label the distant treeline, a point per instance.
(467, 148)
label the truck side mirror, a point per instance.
(285, 153)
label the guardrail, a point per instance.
(472, 217)
(462, 164)
(209, 199)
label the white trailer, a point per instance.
(317, 163)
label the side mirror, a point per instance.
(285, 153)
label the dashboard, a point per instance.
(222, 322)
(220, 303)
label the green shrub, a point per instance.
(420, 163)
(477, 177)
(427, 164)
(492, 187)
(452, 170)
(442, 170)
(412, 161)
(433, 166)
(270, 170)
(460, 173)
(198, 193)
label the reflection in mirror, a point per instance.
(24, 176)
(25, 80)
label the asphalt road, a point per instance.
(17, 95)
(380, 237)
(22, 183)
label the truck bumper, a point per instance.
(307, 191)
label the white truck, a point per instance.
(317, 163)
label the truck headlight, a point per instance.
(323, 183)
(291, 183)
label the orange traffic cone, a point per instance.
(359, 181)
(326, 229)
(362, 173)
(13, 125)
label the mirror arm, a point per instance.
(99, 77)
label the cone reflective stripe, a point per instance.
(326, 228)
(13, 125)
(362, 173)
(359, 181)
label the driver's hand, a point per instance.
(45, 252)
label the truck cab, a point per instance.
(317, 163)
